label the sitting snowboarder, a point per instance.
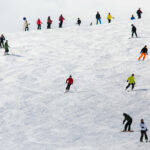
(69, 82)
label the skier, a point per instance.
(6, 46)
(139, 12)
(69, 82)
(131, 81)
(109, 17)
(26, 25)
(2, 39)
(78, 21)
(98, 17)
(143, 131)
(39, 24)
(61, 19)
(49, 22)
(143, 52)
(132, 17)
(133, 30)
(128, 123)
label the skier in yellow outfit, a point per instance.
(131, 81)
(109, 17)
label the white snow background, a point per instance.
(36, 114)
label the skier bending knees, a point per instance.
(131, 81)
(128, 123)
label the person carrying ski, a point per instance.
(26, 25)
(98, 17)
(131, 81)
(78, 21)
(61, 19)
(69, 82)
(128, 123)
(49, 22)
(109, 17)
(6, 46)
(2, 39)
(39, 24)
(133, 30)
(139, 12)
(132, 17)
(143, 131)
(143, 52)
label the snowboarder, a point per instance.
(78, 21)
(131, 81)
(132, 17)
(109, 17)
(133, 30)
(69, 82)
(2, 39)
(143, 131)
(26, 25)
(98, 17)
(39, 24)
(6, 46)
(49, 22)
(143, 52)
(128, 123)
(139, 12)
(61, 19)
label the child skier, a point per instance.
(6, 46)
(128, 123)
(143, 131)
(143, 52)
(69, 82)
(131, 81)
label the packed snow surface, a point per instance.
(36, 114)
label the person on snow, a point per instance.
(49, 22)
(61, 19)
(2, 39)
(6, 46)
(139, 12)
(143, 131)
(69, 82)
(26, 25)
(133, 30)
(78, 21)
(98, 17)
(39, 24)
(128, 123)
(131, 81)
(143, 52)
(109, 17)
(132, 17)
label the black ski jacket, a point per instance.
(127, 118)
(144, 50)
(133, 29)
(98, 16)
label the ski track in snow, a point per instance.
(36, 114)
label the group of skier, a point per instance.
(4, 44)
(127, 127)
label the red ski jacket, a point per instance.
(39, 22)
(49, 21)
(61, 18)
(69, 81)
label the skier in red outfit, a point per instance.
(61, 19)
(69, 82)
(39, 24)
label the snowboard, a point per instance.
(128, 131)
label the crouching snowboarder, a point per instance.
(143, 131)
(6, 46)
(128, 121)
(69, 82)
(131, 81)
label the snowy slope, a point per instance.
(36, 114)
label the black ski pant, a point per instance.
(39, 27)
(109, 20)
(128, 126)
(134, 32)
(26, 28)
(60, 24)
(129, 85)
(143, 133)
(139, 16)
(68, 87)
(48, 26)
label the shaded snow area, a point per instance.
(36, 114)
